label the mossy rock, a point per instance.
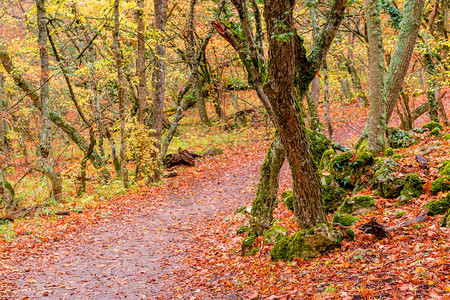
(399, 139)
(344, 219)
(213, 152)
(348, 168)
(247, 245)
(388, 151)
(441, 184)
(307, 243)
(413, 188)
(432, 125)
(288, 199)
(438, 207)
(358, 205)
(385, 183)
(274, 234)
(446, 220)
(445, 170)
(332, 194)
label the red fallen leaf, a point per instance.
(427, 187)
(251, 295)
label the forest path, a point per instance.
(138, 253)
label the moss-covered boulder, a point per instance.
(288, 199)
(384, 181)
(446, 220)
(445, 170)
(438, 207)
(358, 205)
(432, 125)
(307, 243)
(274, 234)
(247, 246)
(399, 139)
(344, 219)
(441, 184)
(332, 194)
(413, 188)
(348, 168)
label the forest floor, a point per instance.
(177, 240)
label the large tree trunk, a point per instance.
(377, 112)
(399, 63)
(159, 80)
(44, 164)
(266, 195)
(121, 92)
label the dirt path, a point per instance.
(138, 254)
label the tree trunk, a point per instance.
(3, 124)
(377, 112)
(326, 94)
(121, 92)
(159, 80)
(140, 61)
(406, 41)
(45, 145)
(266, 195)
(7, 195)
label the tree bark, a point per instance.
(266, 195)
(121, 92)
(44, 151)
(377, 112)
(406, 41)
(140, 61)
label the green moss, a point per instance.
(447, 136)
(438, 207)
(243, 229)
(339, 162)
(432, 125)
(307, 243)
(446, 220)
(350, 234)
(383, 180)
(288, 199)
(344, 219)
(413, 188)
(332, 194)
(398, 156)
(445, 170)
(388, 151)
(363, 158)
(274, 234)
(357, 205)
(400, 214)
(318, 143)
(326, 158)
(247, 245)
(435, 132)
(442, 184)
